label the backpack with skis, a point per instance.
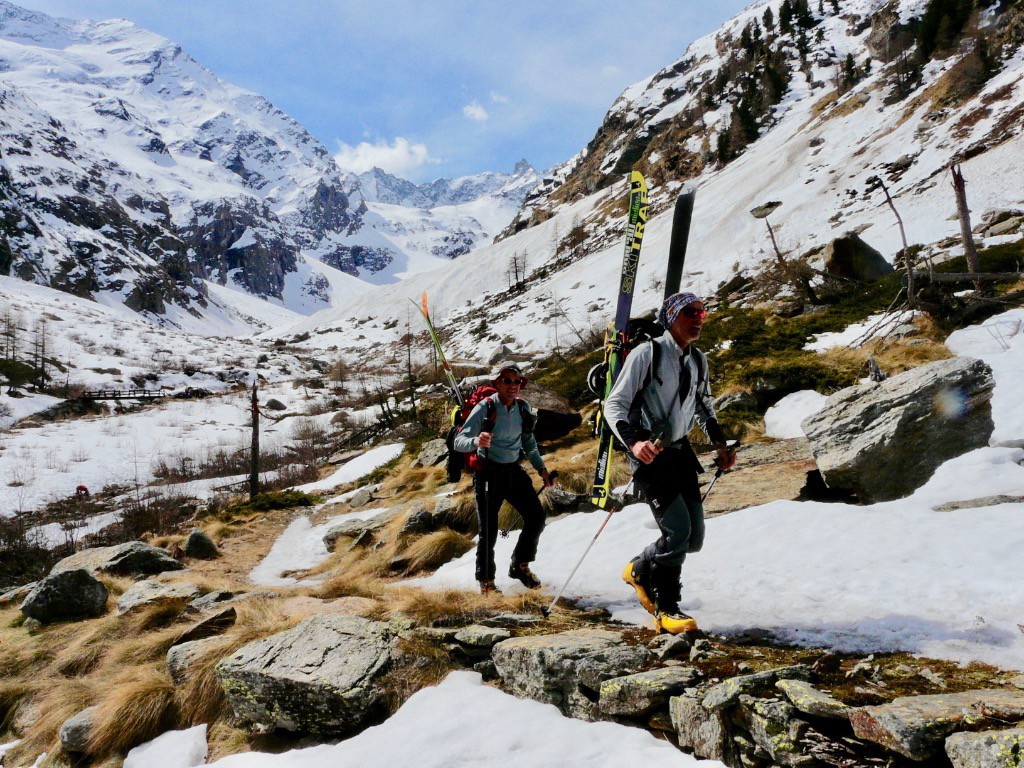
(457, 462)
(625, 334)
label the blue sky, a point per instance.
(424, 89)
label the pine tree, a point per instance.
(786, 17)
(768, 19)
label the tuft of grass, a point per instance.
(359, 574)
(454, 607)
(270, 500)
(437, 548)
(52, 702)
(136, 707)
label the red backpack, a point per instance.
(471, 462)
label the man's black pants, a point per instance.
(505, 482)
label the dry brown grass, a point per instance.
(436, 549)
(225, 739)
(452, 607)
(358, 574)
(892, 356)
(137, 706)
(52, 702)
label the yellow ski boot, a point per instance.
(641, 583)
(675, 622)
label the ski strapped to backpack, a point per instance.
(616, 336)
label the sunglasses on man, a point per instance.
(511, 382)
(694, 312)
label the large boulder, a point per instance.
(884, 440)
(432, 453)
(991, 749)
(555, 416)
(703, 731)
(131, 559)
(200, 546)
(355, 528)
(849, 256)
(567, 669)
(917, 726)
(66, 596)
(183, 659)
(321, 677)
(639, 694)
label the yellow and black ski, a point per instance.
(600, 494)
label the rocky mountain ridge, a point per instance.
(115, 141)
(811, 110)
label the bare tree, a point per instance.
(964, 213)
(908, 260)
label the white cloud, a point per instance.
(499, 98)
(475, 111)
(611, 71)
(398, 157)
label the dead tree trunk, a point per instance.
(794, 277)
(964, 213)
(908, 261)
(254, 457)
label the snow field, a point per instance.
(463, 723)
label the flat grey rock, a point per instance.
(149, 592)
(321, 677)
(640, 693)
(989, 749)
(131, 559)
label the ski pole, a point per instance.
(547, 611)
(714, 480)
(733, 446)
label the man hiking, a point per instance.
(661, 390)
(499, 429)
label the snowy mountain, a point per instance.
(786, 102)
(129, 173)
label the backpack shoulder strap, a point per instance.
(526, 414)
(652, 372)
(702, 367)
(491, 414)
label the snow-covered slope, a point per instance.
(130, 173)
(815, 151)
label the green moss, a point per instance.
(569, 377)
(274, 500)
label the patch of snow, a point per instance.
(783, 419)
(890, 576)
(300, 548)
(357, 468)
(174, 749)
(462, 723)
